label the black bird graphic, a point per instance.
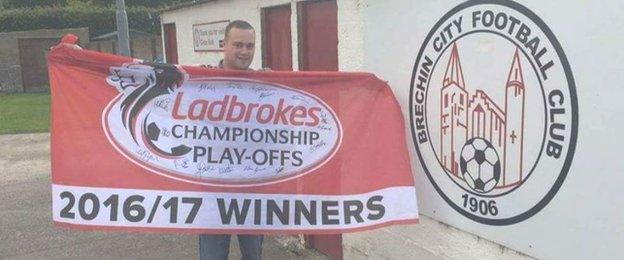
(165, 80)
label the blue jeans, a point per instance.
(217, 247)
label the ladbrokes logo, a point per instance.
(493, 111)
(217, 131)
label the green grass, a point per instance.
(24, 113)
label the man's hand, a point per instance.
(70, 41)
(72, 46)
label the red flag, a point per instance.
(162, 148)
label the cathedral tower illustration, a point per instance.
(453, 116)
(464, 116)
(514, 111)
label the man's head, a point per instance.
(238, 51)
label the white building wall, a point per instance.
(350, 29)
(351, 35)
(429, 239)
(248, 10)
(585, 218)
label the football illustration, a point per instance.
(480, 165)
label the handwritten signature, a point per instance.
(301, 98)
(317, 146)
(145, 155)
(165, 132)
(123, 81)
(162, 103)
(254, 169)
(181, 163)
(232, 85)
(324, 127)
(266, 94)
(203, 168)
(261, 89)
(226, 170)
(324, 118)
(207, 87)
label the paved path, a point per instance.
(26, 230)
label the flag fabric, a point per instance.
(138, 146)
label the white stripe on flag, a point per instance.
(210, 210)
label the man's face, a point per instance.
(239, 48)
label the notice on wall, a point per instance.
(209, 36)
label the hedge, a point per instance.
(9, 4)
(99, 19)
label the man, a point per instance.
(238, 53)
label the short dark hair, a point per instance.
(238, 24)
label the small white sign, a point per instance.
(209, 36)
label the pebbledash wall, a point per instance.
(569, 202)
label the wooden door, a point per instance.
(276, 38)
(171, 43)
(318, 35)
(32, 53)
(318, 51)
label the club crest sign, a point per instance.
(493, 111)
